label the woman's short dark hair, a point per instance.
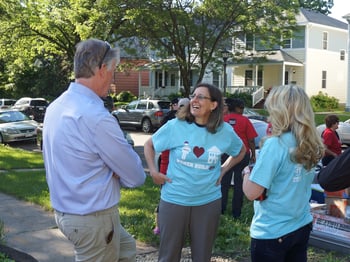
(233, 103)
(216, 116)
(331, 120)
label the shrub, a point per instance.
(174, 95)
(246, 97)
(125, 96)
(324, 102)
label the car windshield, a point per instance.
(22, 102)
(12, 116)
(39, 103)
(247, 111)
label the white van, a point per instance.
(6, 103)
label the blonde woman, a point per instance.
(281, 179)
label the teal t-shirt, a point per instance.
(194, 160)
(288, 184)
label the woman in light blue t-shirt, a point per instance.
(280, 182)
(191, 193)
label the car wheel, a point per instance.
(147, 126)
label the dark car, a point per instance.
(16, 126)
(32, 107)
(146, 114)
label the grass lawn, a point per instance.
(319, 116)
(136, 207)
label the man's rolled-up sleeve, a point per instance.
(118, 155)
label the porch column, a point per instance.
(179, 81)
(347, 106)
(139, 80)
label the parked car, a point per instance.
(33, 107)
(16, 126)
(261, 128)
(146, 114)
(6, 103)
(251, 114)
(40, 136)
(343, 131)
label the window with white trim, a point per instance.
(325, 40)
(324, 79)
(342, 55)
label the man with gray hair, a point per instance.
(88, 160)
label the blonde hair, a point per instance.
(290, 110)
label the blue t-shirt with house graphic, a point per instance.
(194, 160)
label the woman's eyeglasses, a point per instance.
(108, 47)
(199, 97)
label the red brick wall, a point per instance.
(128, 80)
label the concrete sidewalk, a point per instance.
(30, 229)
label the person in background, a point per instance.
(191, 196)
(331, 139)
(108, 103)
(172, 112)
(164, 156)
(183, 102)
(246, 131)
(280, 182)
(88, 160)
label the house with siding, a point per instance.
(315, 58)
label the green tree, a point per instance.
(194, 32)
(45, 32)
(34, 33)
(322, 6)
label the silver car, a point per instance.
(16, 126)
(35, 107)
(251, 114)
(146, 114)
(261, 128)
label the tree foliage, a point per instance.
(322, 6)
(38, 37)
(194, 32)
(45, 32)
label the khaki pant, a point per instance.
(98, 236)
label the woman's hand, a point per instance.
(159, 178)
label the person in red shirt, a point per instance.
(331, 139)
(246, 131)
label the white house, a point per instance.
(315, 58)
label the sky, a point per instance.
(339, 9)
